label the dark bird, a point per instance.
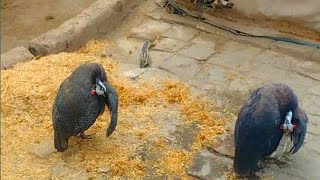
(271, 111)
(80, 100)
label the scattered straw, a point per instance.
(28, 92)
(175, 161)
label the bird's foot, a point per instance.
(86, 136)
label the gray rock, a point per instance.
(43, 149)
(209, 166)
(14, 56)
(225, 145)
(133, 74)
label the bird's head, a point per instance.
(99, 88)
(297, 129)
(287, 127)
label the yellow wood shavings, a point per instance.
(28, 92)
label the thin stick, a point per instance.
(285, 146)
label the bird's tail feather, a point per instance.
(299, 133)
(112, 102)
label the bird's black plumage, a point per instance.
(257, 129)
(76, 109)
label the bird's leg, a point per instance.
(83, 135)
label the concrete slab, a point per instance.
(186, 68)
(181, 32)
(235, 56)
(149, 30)
(158, 57)
(209, 166)
(201, 50)
(171, 45)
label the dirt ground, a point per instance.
(22, 20)
(282, 26)
(165, 131)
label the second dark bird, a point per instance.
(271, 111)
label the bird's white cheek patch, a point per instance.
(99, 92)
(100, 88)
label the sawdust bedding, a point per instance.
(27, 94)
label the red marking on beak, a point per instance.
(93, 92)
(294, 126)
